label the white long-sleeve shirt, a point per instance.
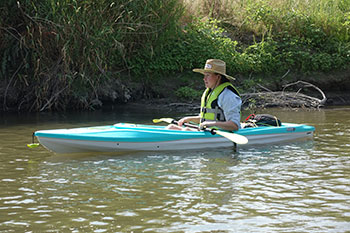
(230, 103)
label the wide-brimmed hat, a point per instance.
(214, 66)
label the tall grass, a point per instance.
(65, 51)
(264, 16)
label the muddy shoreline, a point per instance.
(174, 105)
(133, 97)
(166, 105)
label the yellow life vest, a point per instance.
(210, 110)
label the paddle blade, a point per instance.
(237, 138)
(167, 120)
(33, 145)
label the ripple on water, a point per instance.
(299, 187)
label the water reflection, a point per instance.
(300, 186)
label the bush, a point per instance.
(188, 94)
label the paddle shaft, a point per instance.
(212, 131)
(236, 138)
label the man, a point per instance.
(220, 103)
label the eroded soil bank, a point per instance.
(162, 93)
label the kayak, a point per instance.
(137, 137)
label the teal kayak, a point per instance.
(137, 137)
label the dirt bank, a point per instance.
(162, 93)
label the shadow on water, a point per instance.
(128, 113)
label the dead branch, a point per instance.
(306, 84)
(284, 98)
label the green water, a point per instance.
(292, 187)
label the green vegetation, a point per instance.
(61, 53)
(188, 94)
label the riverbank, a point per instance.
(70, 61)
(173, 105)
(164, 94)
(334, 86)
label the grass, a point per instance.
(270, 16)
(76, 46)
(60, 54)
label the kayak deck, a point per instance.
(134, 137)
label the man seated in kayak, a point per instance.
(220, 103)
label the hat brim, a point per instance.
(202, 71)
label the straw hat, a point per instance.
(214, 66)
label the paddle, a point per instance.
(236, 138)
(33, 145)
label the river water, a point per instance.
(299, 186)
